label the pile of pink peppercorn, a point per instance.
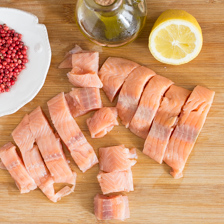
(13, 57)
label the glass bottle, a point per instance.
(111, 23)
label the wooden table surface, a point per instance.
(198, 197)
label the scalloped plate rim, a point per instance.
(48, 51)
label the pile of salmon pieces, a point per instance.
(168, 117)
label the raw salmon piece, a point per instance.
(111, 207)
(34, 163)
(86, 80)
(116, 181)
(42, 177)
(67, 62)
(23, 136)
(149, 105)
(117, 158)
(113, 73)
(164, 122)
(83, 100)
(14, 165)
(102, 122)
(131, 92)
(85, 70)
(191, 121)
(85, 62)
(81, 151)
(37, 169)
(50, 148)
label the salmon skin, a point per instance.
(164, 122)
(34, 163)
(14, 165)
(50, 148)
(113, 73)
(111, 207)
(83, 100)
(116, 181)
(102, 122)
(85, 70)
(148, 106)
(81, 151)
(131, 92)
(117, 158)
(191, 121)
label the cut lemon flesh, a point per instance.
(176, 37)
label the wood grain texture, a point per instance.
(158, 198)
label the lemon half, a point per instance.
(176, 37)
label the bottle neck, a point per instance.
(103, 6)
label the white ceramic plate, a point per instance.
(32, 78)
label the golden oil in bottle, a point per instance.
(111, 22)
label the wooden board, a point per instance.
(158, 198)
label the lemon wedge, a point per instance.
(176, 37)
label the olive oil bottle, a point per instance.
(111, 23)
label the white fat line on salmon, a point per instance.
(54, 156)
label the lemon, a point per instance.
(176, 37)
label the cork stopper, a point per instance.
(105, 2)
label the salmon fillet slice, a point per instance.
(111, 207)
(50, 148)
(131, 92)
(85, 62)
(67, 62)
(117, 158)
(14, 165)
(81, 151)
(86, 80)
(23, 136)
(37, 169)
(191, 121)
(149, 105)
(34, 163)
(85, 70)
(83, 100)
(116, 181)
(113, 73)
(164, 122)
(102, 122)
